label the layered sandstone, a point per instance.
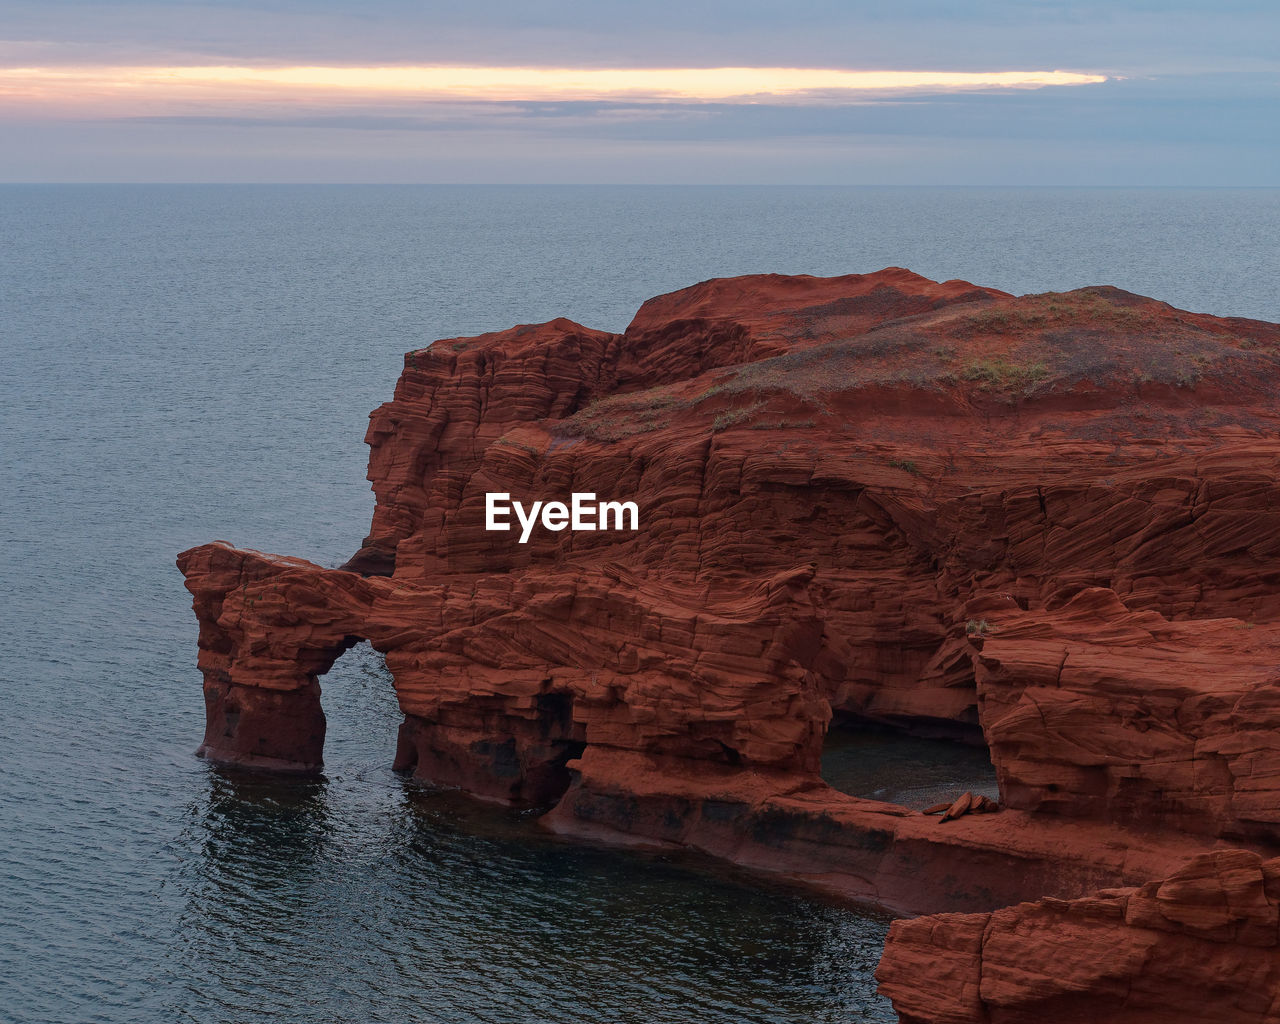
(1047, 523)
(1200, 945)
(1094, 710)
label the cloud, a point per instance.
(86, 90)
(1209, 111)
(1139, 36)
(571, 90)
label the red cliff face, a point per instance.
(1201, 945)
(1050, 522)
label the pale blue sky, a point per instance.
(1192, 95)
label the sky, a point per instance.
(824, 92)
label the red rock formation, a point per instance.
(1201, 945)
(1093, 710)
(873, 496)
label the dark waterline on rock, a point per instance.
(427, 901)
(184, 363)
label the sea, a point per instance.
(185, 363)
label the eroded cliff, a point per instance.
(1045, 522)
(1200, 945)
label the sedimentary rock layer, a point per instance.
(1047, 523)
(1096, 711)
(1201, 945)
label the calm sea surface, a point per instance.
(186, 363)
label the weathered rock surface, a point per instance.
(1049, 521)
(1201, 945)
(1096, 711)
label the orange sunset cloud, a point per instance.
(120, 89)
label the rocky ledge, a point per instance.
(1200, 945)
(1046, 523)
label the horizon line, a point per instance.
(614, 184)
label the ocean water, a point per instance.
(911, 771)
(190, 362)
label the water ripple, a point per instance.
(183, 363)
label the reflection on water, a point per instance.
(193, 362)
(908, 770)
(248, 814)
(363, 896)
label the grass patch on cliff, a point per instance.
(1002, 374)
(614, 417)
(1098, 308)
(783, 424)
(506, 442)
(1010, 350)
(732, 417)
(620, 416)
